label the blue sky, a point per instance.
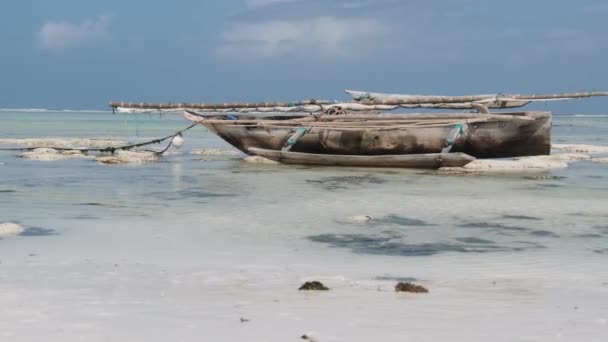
(82, 54)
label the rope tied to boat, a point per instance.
(336, 110)
(481, 108)
(112, 149)
(452, 137)
(294, 138)
(365, 96)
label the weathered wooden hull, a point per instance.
(419, 161)
(494, 136)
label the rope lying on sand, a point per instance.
(111, 149)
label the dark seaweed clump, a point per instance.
(92, 204)
(521, 217)
(335, 183)
(399, 221)
(545, 177)
(386, 245)
(313, 286)
(550, 185)
(409, 287)
(37, 231)
(393, 244)
(588, 236)
(85, 217)
(497, 226)
(544, 233)
(474, 240)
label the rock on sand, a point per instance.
(259, 160)
(126, 157)
(50, 154)
(10, 229)
(581, 148)
(522, 164)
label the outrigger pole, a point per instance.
(362, 101)
(398, 99)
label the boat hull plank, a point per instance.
(493, 138)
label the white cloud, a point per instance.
(263, 3)
(320, 37)
(58, 35)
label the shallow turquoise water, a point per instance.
(565, 205)
(184, 247)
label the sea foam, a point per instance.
(214, 152)
(50, 154)
(522, 164)
(600, 160)
(64, 142)
(581, 148)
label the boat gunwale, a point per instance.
(343, 119)
(385, 125)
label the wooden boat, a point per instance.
(484, 136)
(481, 135)
(316, 131)
(425, 161)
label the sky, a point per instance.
(82, 54)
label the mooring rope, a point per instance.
(111, 149)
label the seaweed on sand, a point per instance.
(313, 286)
(410, 287)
